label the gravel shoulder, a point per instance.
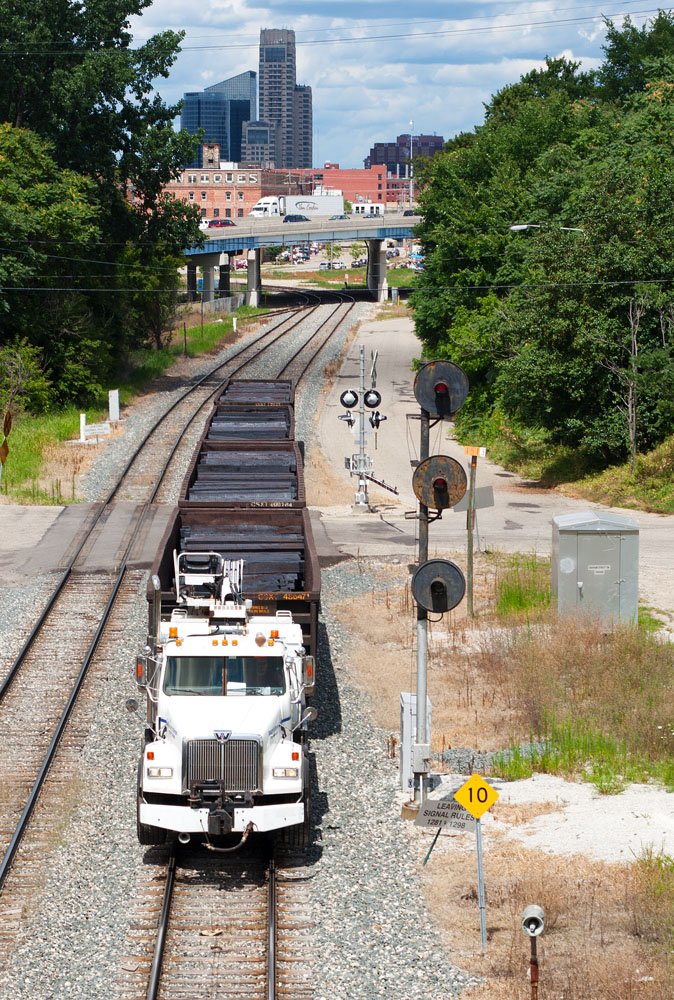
(374, 935)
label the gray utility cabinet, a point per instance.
(595, 564)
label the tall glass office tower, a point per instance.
(221, 111)
(282, 102)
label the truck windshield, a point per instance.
(224, 675)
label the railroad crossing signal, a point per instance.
(476, 795)
(348, 398)
(361, 465)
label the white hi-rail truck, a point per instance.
(226, 722)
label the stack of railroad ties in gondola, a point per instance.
(244, 496)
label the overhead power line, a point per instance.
(349, 39)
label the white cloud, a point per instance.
(437, 72)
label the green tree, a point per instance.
(632, 53)
(593, 360)
(22, 381)
(560, 76)
(72, 76)
(569, 331)
(49, 227)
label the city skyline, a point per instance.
(374, 69)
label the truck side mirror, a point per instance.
(308, 715)
(309, 674)
(141, 670)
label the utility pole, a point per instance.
(470, 514)
(362, 498)
(411, 165)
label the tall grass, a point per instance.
(522, 583)
(32, 438)
(29, 439)
(595, 703)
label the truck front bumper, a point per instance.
(182, 819)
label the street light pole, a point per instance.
(411, 167)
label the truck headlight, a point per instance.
(285, 772)
(159, 772)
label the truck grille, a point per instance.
(236, 763)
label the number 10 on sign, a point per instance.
(477, 796)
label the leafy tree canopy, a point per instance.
(73, 82)
(548, 237)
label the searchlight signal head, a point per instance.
(440, 484)
(439, 597)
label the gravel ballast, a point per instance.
(372, 937)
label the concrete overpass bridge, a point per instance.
(251, 235)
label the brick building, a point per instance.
(356, 185)
(226, 190)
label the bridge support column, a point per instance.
(208, 261)
(254, 294)
(376, 270)
(225, 286)
(191, 279)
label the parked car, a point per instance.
(220, 223)
(324, 266)
(295, 218)
(410, 211)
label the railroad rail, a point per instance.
(233, 928)
(46, 673)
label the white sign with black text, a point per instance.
(445, 813)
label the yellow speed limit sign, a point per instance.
(476, 796)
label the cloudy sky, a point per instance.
(374, 65)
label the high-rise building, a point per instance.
(260, 142)
(302, 127)
(281, 101)
(395, 156)
(221, 110)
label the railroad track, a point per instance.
(49, 694)
(234, 928)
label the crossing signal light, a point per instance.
(376, 418)
(372, 398)
(348, 398)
